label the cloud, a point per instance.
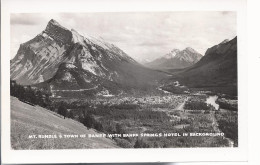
(24, 19)
(153, 43)
(143, 35)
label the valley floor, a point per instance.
(150, 115)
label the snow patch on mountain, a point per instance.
(69, 65)
(40, 79)
(67, 77)
(190, 50)
(89, 67)
(172, 54)
(76, 37)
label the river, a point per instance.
(212, 101)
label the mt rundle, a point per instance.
(65, 60)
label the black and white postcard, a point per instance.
(124, 81)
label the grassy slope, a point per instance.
(33, 120)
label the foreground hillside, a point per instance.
(34, 120)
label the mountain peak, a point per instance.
(189, 55)
(176, 59)
(73, 30)
(175, 50)
(225, 41)
(53, 22)
(172, 54)
(58, 32)
(91, 60)
(190, 50)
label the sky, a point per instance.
(143, 35)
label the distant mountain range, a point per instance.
(176, 59)
(217, 69)
(71, 65)
(63, 60)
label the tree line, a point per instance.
(30, 95)
(34, 96)
(104, 118)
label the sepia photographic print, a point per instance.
(123, 80)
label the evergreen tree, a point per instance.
(62, 110)
(119, 129)
(141, 144)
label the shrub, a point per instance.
(123, 143)
(62, 110)
(140, 143)
(196, 105)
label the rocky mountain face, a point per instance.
(176, 59)
(217, 69)
(64, 60)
